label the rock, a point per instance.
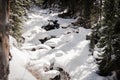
(46, 38)
(54, 25)
(33, 49)
(88, 36)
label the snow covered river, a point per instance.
(64, 49)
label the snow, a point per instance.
(70, 52)
(17, 65)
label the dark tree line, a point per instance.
(87, 10)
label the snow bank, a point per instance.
(18, 62)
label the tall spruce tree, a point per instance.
(109, 35)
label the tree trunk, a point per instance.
(4, 40)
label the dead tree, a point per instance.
(4, 39)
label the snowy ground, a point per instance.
(71, 51)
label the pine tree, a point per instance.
(18, 10)
(109, 40)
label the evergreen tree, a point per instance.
(109, 41)
(17, 11)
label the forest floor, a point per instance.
(63, 55)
